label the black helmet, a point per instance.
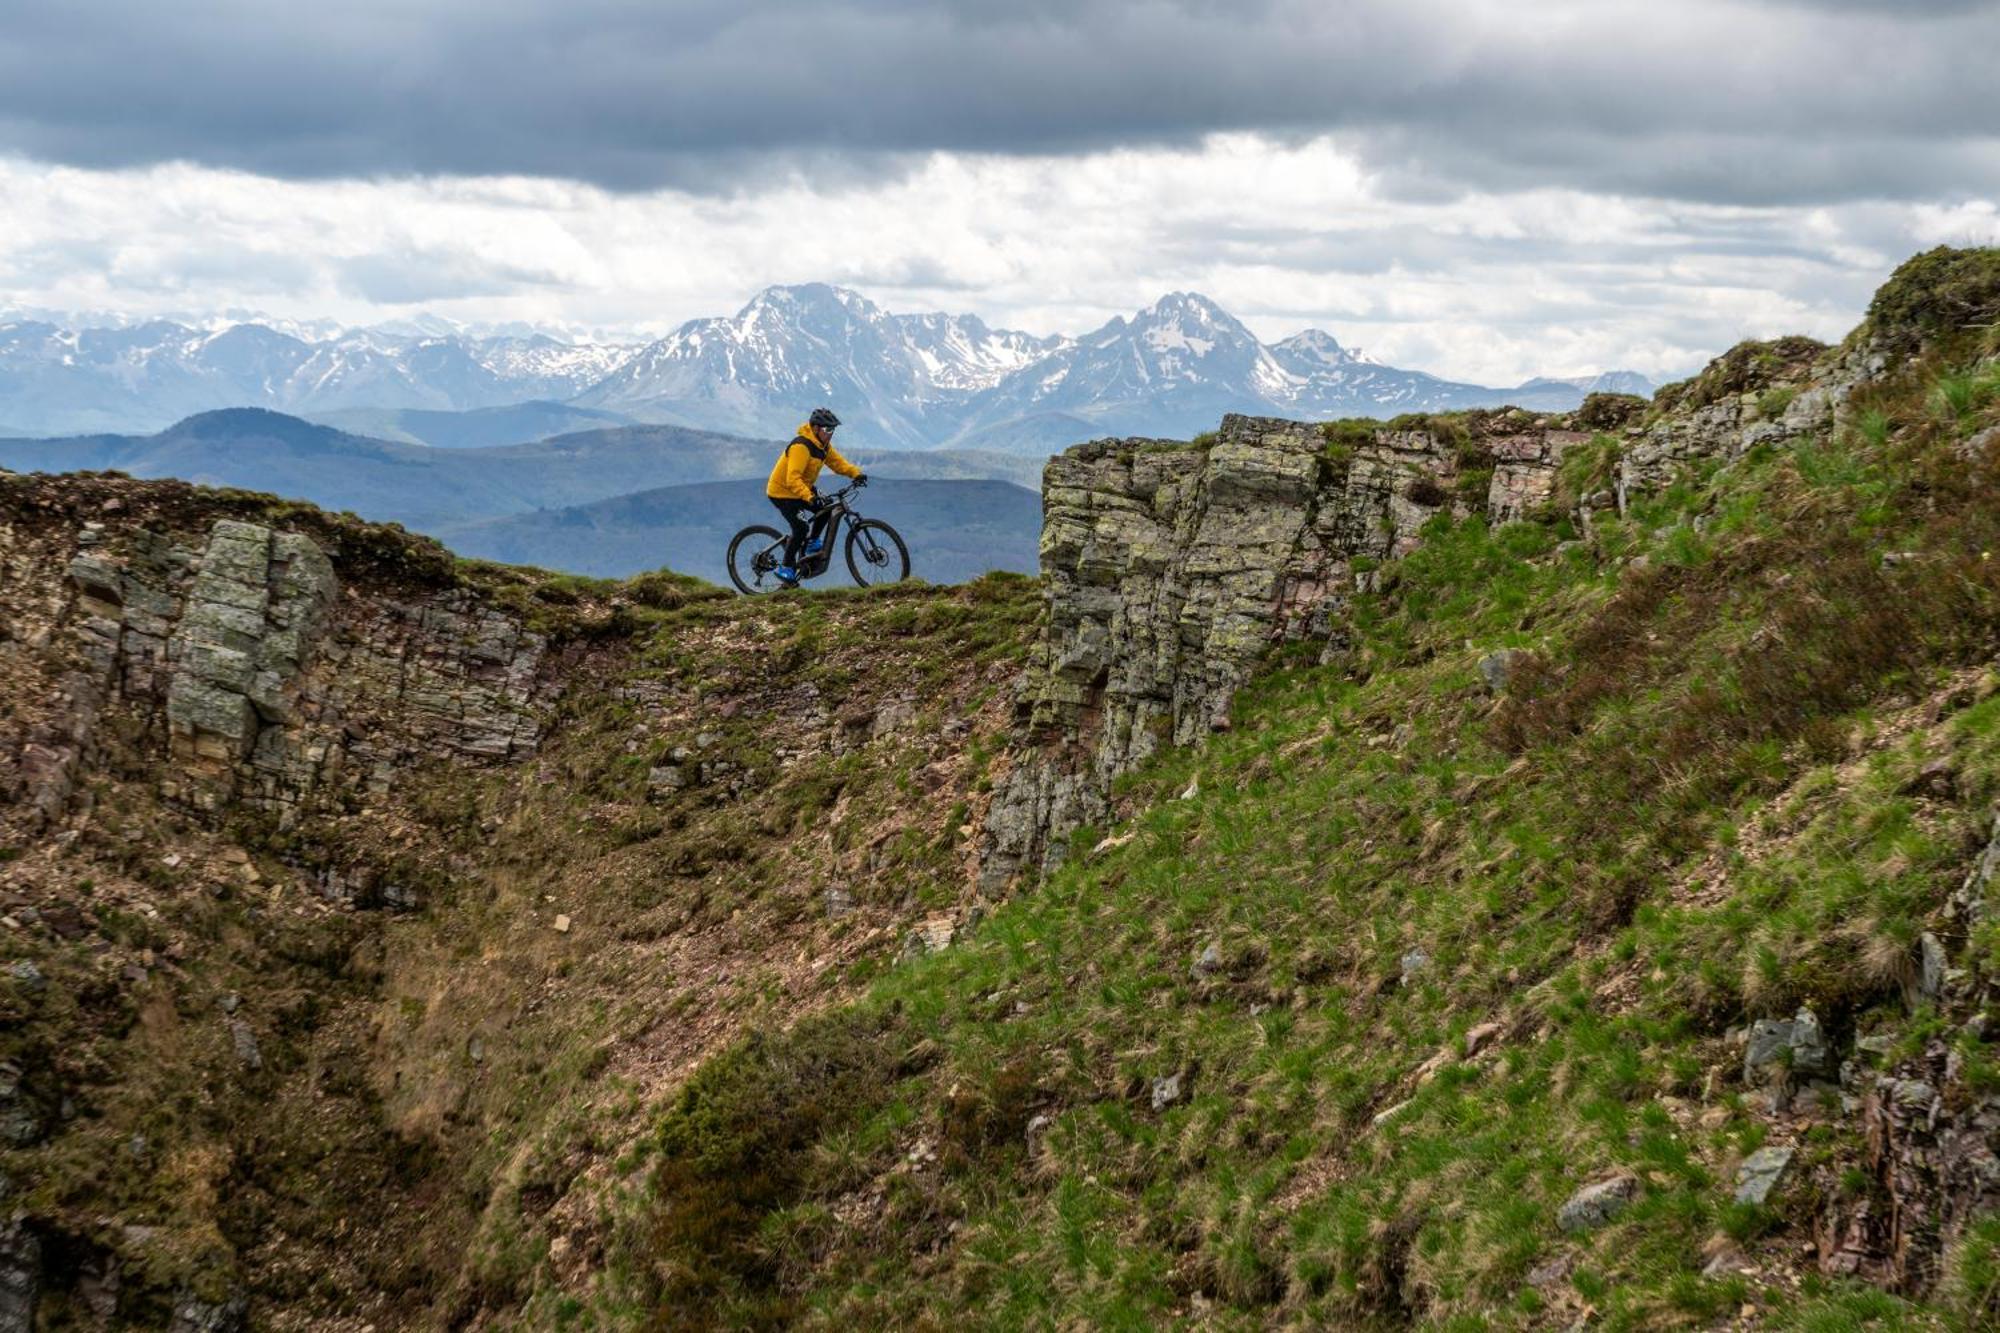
(822, 419)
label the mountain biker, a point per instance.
(790, 488)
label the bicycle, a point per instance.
(875, 551)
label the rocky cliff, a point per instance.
(235, 643)
(1172, 571)
(343, 885)
(1546, 873)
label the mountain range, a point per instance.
(607, 502)
(899, 381)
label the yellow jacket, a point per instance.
(798, 467)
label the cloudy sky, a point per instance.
(1481, 188)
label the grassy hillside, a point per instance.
(1327, 1030)
(424, 487)
(588, 503)
(475, 428)
(233, 1086)
(404, 483)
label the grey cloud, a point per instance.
(407, 277)
(1900, 8)
(1754, 101)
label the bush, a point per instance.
(1610, 411)
(738, 1145)
(1936, 294)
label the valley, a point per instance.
(1495, 868)
(609, 502)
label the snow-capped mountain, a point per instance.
(908, 377)
(59, 380)
(1181, 361)
(910, 381)
(1173, 369)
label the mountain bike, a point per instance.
(875, 551)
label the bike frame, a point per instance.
(836, 519)
(822, 562)
(838, 511)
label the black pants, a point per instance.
(804, 523)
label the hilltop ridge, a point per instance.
(1482, 869)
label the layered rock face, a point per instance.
(234, 654)
(1172, 569)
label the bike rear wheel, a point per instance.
(754, 556)
(876, 554)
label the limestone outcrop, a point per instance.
(1171, 570)
(234, 654)
(1757, 393)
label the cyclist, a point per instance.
(790, 488)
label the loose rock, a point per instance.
(1496, 669)
(1760, 1173)
(1478, 1036)
(1777, 1044)
(245, 1042)
(1594, 1205)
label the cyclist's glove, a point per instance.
(861, 479)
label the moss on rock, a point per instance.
(1939, 293)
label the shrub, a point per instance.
(1610, 411)
(738, 1145)
(1936, 294)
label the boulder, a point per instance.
(1928, 986)
(1760, 1173)
(1496, 669)
(934, 934)
(20, 1276)
(1594, 1205)
(194, 1315)
(1796, 1044)
(245, 1041)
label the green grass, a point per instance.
(1548, 857)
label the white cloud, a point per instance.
(1490, 286)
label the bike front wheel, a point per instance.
(876, 554)
(754, 556)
